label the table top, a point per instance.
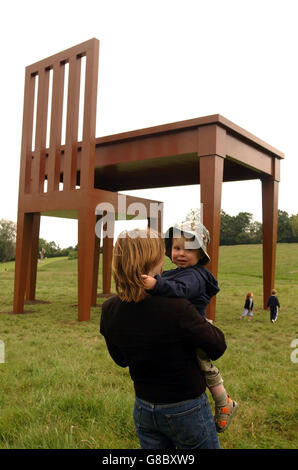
(167, 155)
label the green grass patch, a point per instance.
(60, 388)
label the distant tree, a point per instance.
(66, 251)
(7, 240)
(242, 225)
(257, 231)
(73, 254)
(227, 229)
(284, 231)
(237, 229)
(294, 227)
(51, 249)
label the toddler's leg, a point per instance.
(244, 313)
(276, 314)
(225, 407)
(213, 378)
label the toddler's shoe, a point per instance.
(224, 415)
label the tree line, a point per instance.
(46, 249)
(234, 230)
(241, 229)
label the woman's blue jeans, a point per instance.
(185, 425)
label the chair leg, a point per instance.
(95, 269)
(270, 222)
(23, 244)
(211, 177)
(156, 223)
(107, 254)
(33, 258)
(86, 230)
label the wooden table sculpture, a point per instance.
(208, 151)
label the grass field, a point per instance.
(60, 389)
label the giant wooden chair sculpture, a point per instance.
(207, 151)
(71, 165)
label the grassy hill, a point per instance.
(60, 389)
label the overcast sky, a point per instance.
(163, 61)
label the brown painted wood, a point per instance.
(270, 218)
(86, 227)
(54, 154)
(89, 124)
(128, 160)
(107, 254)
(38, 173)
(33, 258)
(72, 124)
(27, 131)
(24, 232)
(189, 124)
(95, 267)
(211, 171)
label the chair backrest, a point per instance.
(47, 113)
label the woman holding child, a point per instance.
(157, 337)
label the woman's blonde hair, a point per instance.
(135, 253)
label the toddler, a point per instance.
(248, 306)
(273, 303)
(187, 249)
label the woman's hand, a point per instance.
(149, 281)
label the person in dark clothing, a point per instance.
(157, 337)
(191, 280)
(273, 304)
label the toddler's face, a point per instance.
(182, 257)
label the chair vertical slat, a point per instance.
(26, 149)
(72, 124)
(56, 127)
(89, 122)
(41, 131)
